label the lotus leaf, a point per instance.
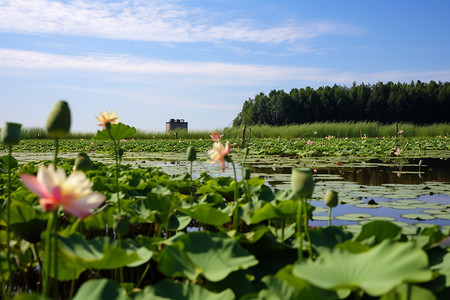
(199, 253)
(375, 272)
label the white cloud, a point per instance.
(157, 21)
(227, 73)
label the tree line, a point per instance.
(417, 102)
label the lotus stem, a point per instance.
(305, 219)
(116, 155)
(329, 216)
(8, 216)
(299, 229)
(236, 201)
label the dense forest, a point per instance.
(417, 102)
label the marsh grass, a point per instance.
(306, 131)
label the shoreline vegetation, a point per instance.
(306, 130)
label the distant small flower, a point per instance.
(215, 136)
(400, 131)
(73, 193)
(309, 142)
(218, 152)
(398, 151)
(330, 137)
(315, 132)
(106, 118)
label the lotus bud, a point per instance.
(191, 154)
(302, 182)
(10, 134)
(331, 198)
(58, 122)
(82, 163)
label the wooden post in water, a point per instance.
(243, 136)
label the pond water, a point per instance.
(408, 191)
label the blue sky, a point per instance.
(153, 60)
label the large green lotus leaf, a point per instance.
(206, 214)
(304, 288)
(118, 132)
(328, 237)
(178, 222)
(375, 272)
(26, 222)
(444, 269)
(409, 292)
(26, 296)
(277, 289)
(100, 289)
(101, 253)
(167, 289)
(283, 210)
(379, 230)
(200, 253)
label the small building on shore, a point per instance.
(176, 124)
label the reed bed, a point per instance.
(307, 130)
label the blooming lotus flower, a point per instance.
(106, 118)
(218, 152)
(215, 136)
(309, 142)
(398, 151)
(55, 189)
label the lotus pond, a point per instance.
(175, 229)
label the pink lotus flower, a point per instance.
(218, 152)
(215, 136)
(309, 142)
(73, 193)
(105, 118)
(398, 151)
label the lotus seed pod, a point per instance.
(10, 134)
(302, 182)
(191, 154)
(82, 163)
(58, 122)
(331, 198)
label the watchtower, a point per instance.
(176, 124)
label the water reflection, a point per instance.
(376, 172)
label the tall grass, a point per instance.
(306, 131)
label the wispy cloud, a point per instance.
(209, 73)
(157, 21)
(228, 73)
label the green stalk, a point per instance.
(299, 229)
(8, 216)
(116, 155)
(329, 216)
(236, 201)
(305, 216)
(50, 239)
(55, 160)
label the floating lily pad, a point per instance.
(437, 211)
(320, 218)
(444, 217)
(418, 216)
(382, 218)
(353, 217)
(365, 205)
(409, 201)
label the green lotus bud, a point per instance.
(10, 134)
(191, 154)
(302, 182)
(82, 163)
(58, 122)
(331, 198)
